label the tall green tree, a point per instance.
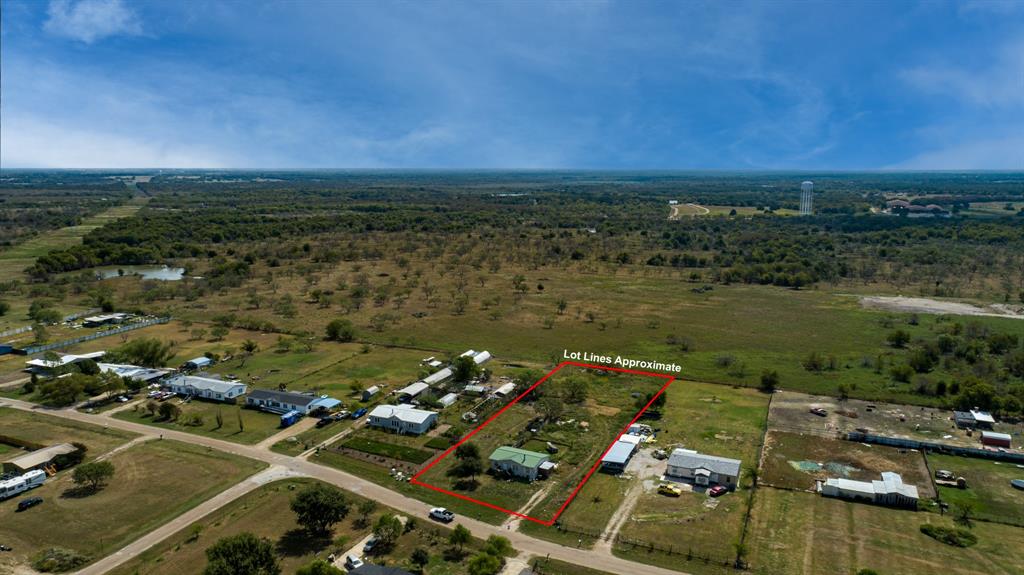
(319, 507)
(92, 475)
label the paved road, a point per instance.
(297, 466)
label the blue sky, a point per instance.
(624, 85)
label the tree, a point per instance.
(769, 381)
(465, 369)
(575, 390)
(147, 352)
(219, 332)
(562, 305)
(898, 339)
(387, 530)
(484, 564)
(550, 407)
(319, 507)
(242, 554)
(420, 557)
(93, 475)
(963, 513)
(340, 330)
(319, 567)
(4, 308)
(469, 463)
(169, 411)
(459, 537)
(249, 347)
(499, 546)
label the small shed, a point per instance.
(448, 399)
(505, 390)
(370, 392)
(474, 390)
(198, 363)
(38, 459)
(994, 439)
(410, 391)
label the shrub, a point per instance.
(955, 536)
(58, 559)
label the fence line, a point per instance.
(16, 331)
(935, 447)
(71, 317)
(69, 342)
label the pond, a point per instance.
(163, 273)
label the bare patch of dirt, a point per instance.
(934, 306)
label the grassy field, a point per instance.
(161, 479)
(296, 444)
(988, 492)
(47, 430)
(256, 425)
(542, 566)
(794, 532)
(838, 459)
(266, 513)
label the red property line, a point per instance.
(415, 479)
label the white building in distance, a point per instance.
(889, 491)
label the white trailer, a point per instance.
(22, 483)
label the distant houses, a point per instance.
(704, 470)
(519, 463)
(403, 419)
(889, 491)
(106, 319)
(206, 388)
(47, 367)
(973, 419)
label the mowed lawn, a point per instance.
(793, 532)
(48, 430)
(255, 425)
(988, 493)
(153, 483)
(266, 513)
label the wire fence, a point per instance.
(16, 331)
(69, 342)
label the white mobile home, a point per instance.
(282, 402)
(889, 491)
(703, 469)
(206, 388)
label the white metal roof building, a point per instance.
(505, 389)
(482, 357)
(207, 388)
(890, 490)
(703, 469)
(402, 419)
(618, 456)
(438, 376)
(449, 399)
(40, 364)
(410, 391)
(143, 374)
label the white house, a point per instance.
(206, 388)
(141, 374)
(282, 401)
(703, 469)
(889, 491)
(402, 419)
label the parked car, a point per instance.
(944, 474)
(370, 544)
(359, 413)
(660, 454)
(670, 490)
(28, 503)
(343, 414)
(819, 411)
(353, 562)
(717, 491)
(325, 421)
(441, 514)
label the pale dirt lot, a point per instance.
(934, 306)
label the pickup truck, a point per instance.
(441, 514)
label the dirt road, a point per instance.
(299, 467)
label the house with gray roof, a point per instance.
(281, 402)
(703, 469)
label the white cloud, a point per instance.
(994, 153)
(91, 20)
(1001, 84)
(36, 143)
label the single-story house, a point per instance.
(105, 319)
(48, 367)
(703, 469)
(142, 374)
(889, 491)
(973, 419)
(505, 390)
(37, 459)
(618, 456)
(516, 462)
(438, 376)
(281, 402)
(206, 388)
(370, 392)
(409, 392)
(995, 439)
(402, 419)
(198, 363)
(448, 399)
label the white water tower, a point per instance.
(807, 198)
